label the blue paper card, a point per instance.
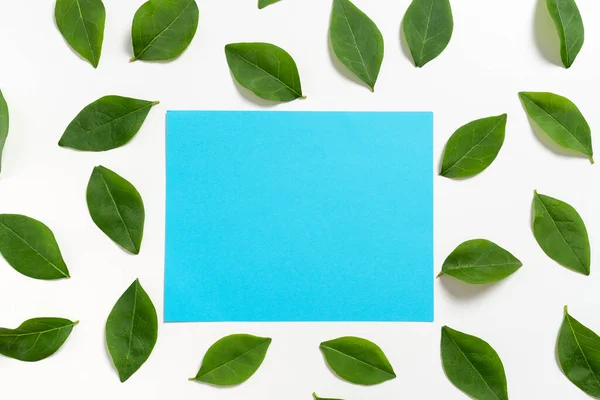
(299, 216)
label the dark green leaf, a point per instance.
(356, 41)
(29, 247)
(81, 22)
(233, 360)
(3, 124)
(163, 29)
(322, 398)
(473, 366)
(35, 339)
(116, 208)
(473, 147)
(357, 360)
(427, 27)
(131, 330)
(561, 233)
(263, 3)
(578, 350)
(560, 119)
(106, 124)
(480, 261)
(569, 25)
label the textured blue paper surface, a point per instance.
(299, 216)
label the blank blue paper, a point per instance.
(299, 216)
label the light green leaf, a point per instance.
(473, 147)
(29, 247)
(560, 119)
(427, 28)
(322, 398)
(35, 339)
(473, 366)
(3, 124)
(106, 124)
(480, 261)
(266, 70)
(357, 360)
(569, 26)
(81, 22)
(263, 3)
(131, 330)
(356, 41)
(116, 208)
(233, 360)
(578, 351)
(163, 29)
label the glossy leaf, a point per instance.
(560, 119)
(357, 360)
(266, 70)
(163, 29)
(356, 41)
(480, 261)
(578, 351)
(116, 208)
(473, 147)
(106, 124)
(35, 339)
(473, 366)
(263, 3)
(3, 124)
(30, 247)
(233, 360)
(81, 22)
(569, 26)
(322, 398)
(427, 28)
(561, 233)
(131, 330)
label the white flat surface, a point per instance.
(495, 52)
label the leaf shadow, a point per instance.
(341, 68)
(551, 144)
(544, 33)
(465, 291)
(404, 44)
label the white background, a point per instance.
(498, 49)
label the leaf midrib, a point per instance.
(362, 60)
(232, 360)
(87, 35)
(568, 318)
(135, 296)
(149, 104)
(358, 360)
(38, 333)
(509, 264)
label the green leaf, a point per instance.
(357, 361)
(29, 247)
(569, 26)
(35, 339)
(578, 351)
(480, 261)
(106, 124)
(473, 147)
(473, 366)
(266, 70)
(427, 28)
(322, 398)
(81, 22)
(116, 208)
(3, 124)
(561, 233)
(263, 3)
(163, 29)
(560, 119)
(356, 41)
(233, 360)
(131, 330)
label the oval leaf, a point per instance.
(356, 41)
(569, 26)
(263, 3)
(473, 366)
(35, 339)
(116, 208)
(560, 119)
(30, 247)
(81, 22)
(561, 233)
(106, 124)
(322, 398)
(357, 360)
(473, 147)
(233, 360)
(427, 28)
(266, 70)
(578, 348)
(163, 29)
(480, 261)
(131, 330)
(3, 124)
